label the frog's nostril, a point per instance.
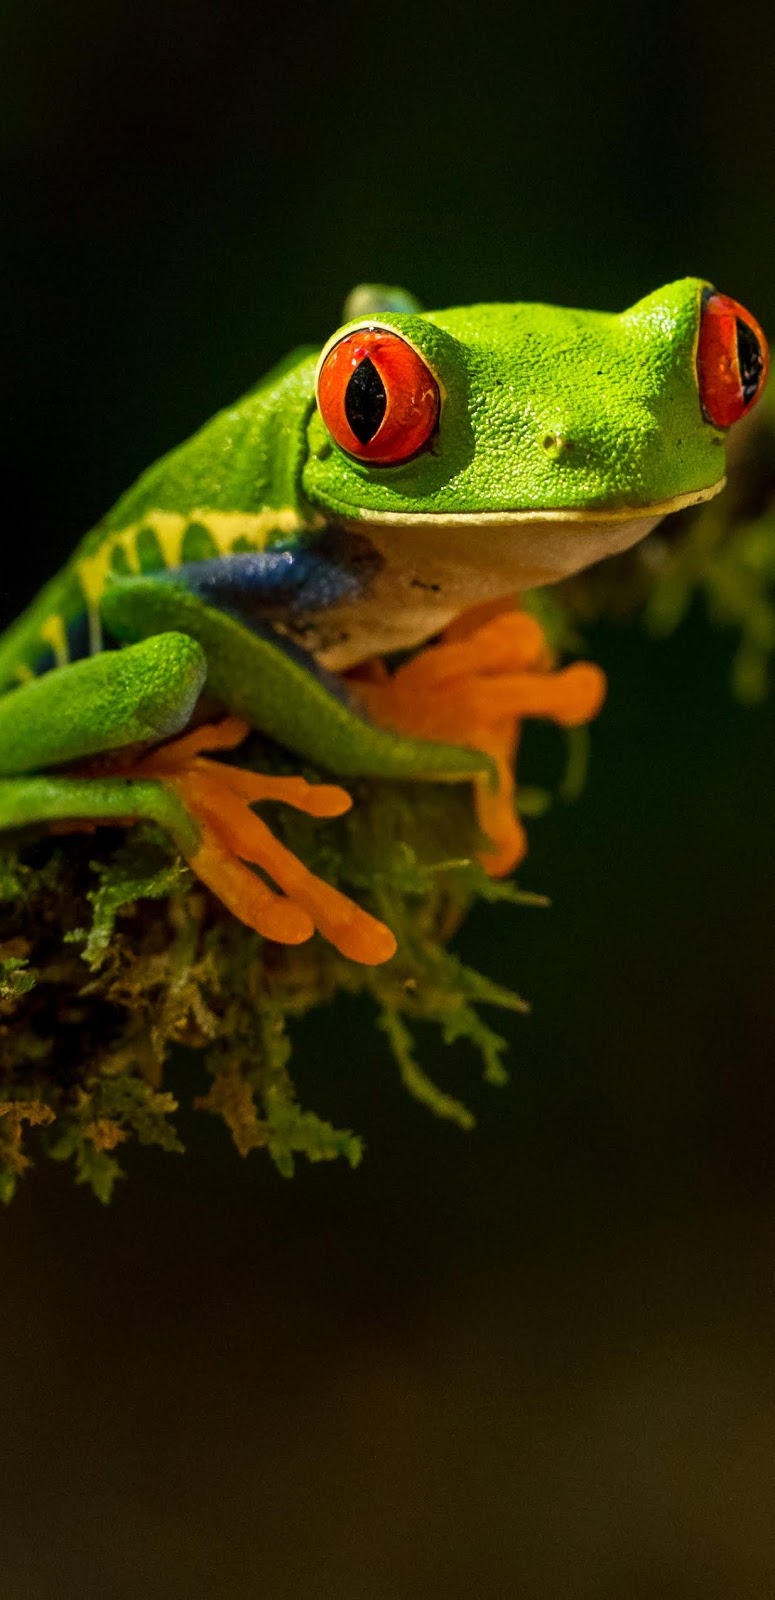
(555, 445)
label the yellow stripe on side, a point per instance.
(23, 673)
(54, 633)
(170, 527)
(226, 526)
(92, 570)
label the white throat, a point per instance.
(435, 566)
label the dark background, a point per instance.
(537, 1360)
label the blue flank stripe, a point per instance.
(290, 580)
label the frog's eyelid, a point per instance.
(370, 325)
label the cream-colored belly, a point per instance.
(433, 572)
(436, 565)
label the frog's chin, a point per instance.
(521, 549)
(431, 567)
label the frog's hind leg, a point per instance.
(112, 707)
(105, 702)
(89, 708)
(490, 670)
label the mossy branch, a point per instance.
(111, 953)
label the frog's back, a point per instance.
(234, 485)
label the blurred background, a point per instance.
(537, 1360)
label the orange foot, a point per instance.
(491, 669)
(219, 798)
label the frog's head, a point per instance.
(496, 415)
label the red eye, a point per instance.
(732, 360)
(377, 397)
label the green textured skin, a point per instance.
(543, 409)
(30, 801)
(135, 696)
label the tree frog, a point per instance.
(405, 482)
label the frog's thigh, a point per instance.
(279, 689)
(142, 694)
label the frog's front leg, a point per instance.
(114, 706)
(490, 670)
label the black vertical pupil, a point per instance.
(365, 401)
(750, 360)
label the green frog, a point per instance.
(404, 483)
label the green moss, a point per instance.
(111, 953)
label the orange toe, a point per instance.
(219, 798)
(490, 670)
(240, 831)
(245, 895)
(505, 643)
(498, 820)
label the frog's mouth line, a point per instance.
(594, 514)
